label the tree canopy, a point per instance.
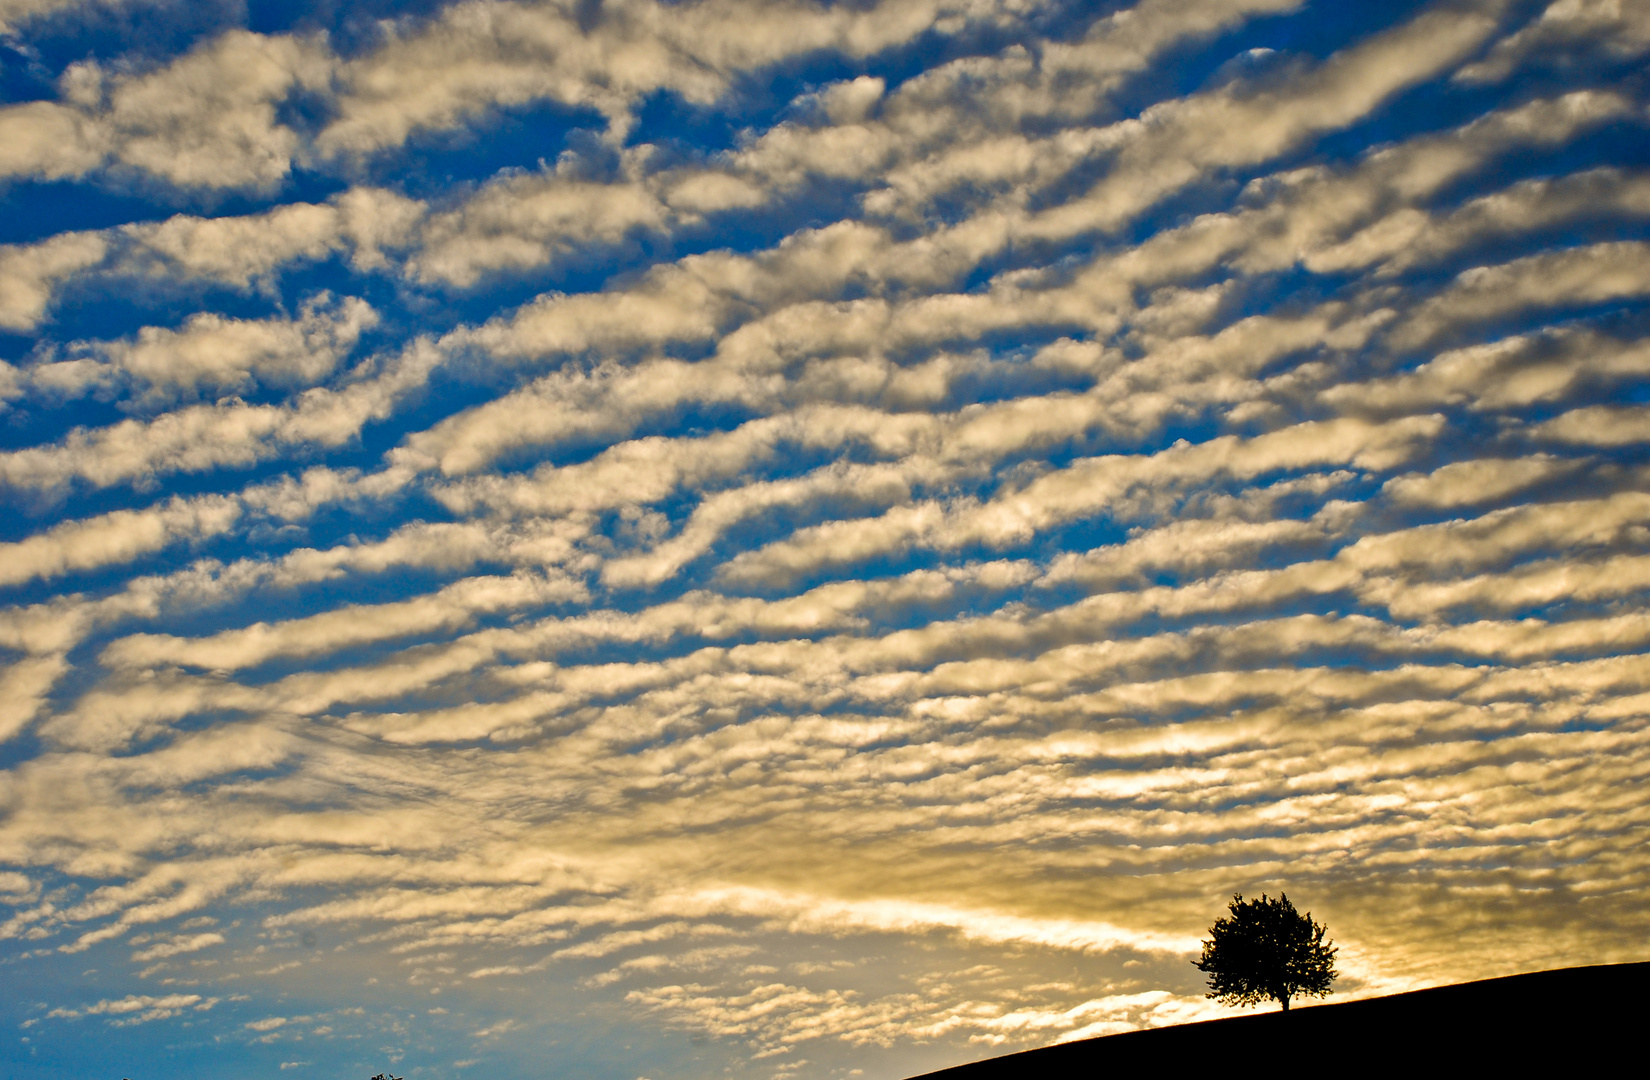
(1266, 950)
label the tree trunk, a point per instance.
(1285, 1001)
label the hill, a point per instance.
(1576, 1018)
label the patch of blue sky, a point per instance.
(34, 211)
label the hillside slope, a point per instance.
(1583, 1020)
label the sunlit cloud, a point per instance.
(799, 538)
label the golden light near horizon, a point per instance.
(802, 539)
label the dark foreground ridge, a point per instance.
(1581, 1017)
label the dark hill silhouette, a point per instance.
(1580, 1021)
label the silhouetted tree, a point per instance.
(1266, 950)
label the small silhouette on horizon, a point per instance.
(1266, 950)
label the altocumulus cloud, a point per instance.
(628, 538)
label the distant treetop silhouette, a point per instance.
(1266, 950)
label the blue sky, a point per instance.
(623, 539)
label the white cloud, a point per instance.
(1600, 425)
(15, 15)
(206, 120)
(30, 272)
(23, 689)
(178, 946)
(1508, 374)
(138, 1008)
(197, 438)
(214, 356)
(1469, 483)
(452, 608)
(1619, 29)
(247, 249)
(521, 222)
(1580, 276)
(243, 251)
(1083, 489)
(116, 537)
(1129, 489)
(1177, 143)
(483, 55)
(1413, 238)
(51, 141)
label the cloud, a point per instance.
(1565, 30)
(31, 271)
(244, 251)
(479, 56)
(23, 689)
(1177, 143)
(231, 433)
(1599, 425)
(1082, 489)
(526, 221)
(177, 947)
(247, 249)
(963, 434)
(450, 609)
(1509, 373)
(521, 222)
(1466, 483)
(215, 356)
(685, 285)
(206, 120)
(777, 1017)
(115, 537)
(50, 141)
(139, 1008)
(818, 915)
(17, 14)
(1590, 275)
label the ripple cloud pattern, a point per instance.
(802, 539)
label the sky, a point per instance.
(795, 539)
